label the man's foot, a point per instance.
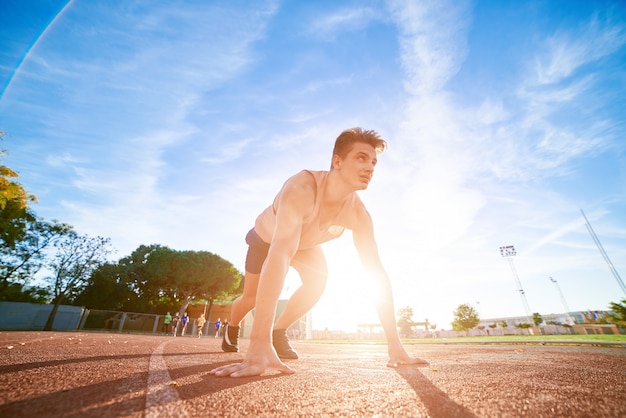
(282, 346)
(231, 337)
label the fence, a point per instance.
(99, 320)
(21, 316)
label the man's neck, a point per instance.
(336, 190)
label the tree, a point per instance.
(619, 313)
(124, 285)
(465, 318)
(158, 279)
(23, 236)
(104, 289)
(143, 294)
(405, 323)
(185, 275)
(77, 256)
(23, 255)
(18, 292)
(537, 319)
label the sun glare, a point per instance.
(349, 300)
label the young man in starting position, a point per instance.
(312, 207)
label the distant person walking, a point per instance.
(184, 321)
(217, 327)
(175, 322)
(200, 323)
(166, 323)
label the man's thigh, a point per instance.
(310, 264)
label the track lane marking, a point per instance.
(162, 398)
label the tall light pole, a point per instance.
(558, 288)
(604, 254)
(509, 252)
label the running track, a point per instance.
(57, 374)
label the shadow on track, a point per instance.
(439, 404)
(51, 363)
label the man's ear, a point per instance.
(336, 161)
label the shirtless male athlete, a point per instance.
(311, 208)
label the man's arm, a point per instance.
(283, 247)
(295, 200)
(365, 244)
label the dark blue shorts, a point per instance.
(257, 252)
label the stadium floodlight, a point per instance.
(509, 252)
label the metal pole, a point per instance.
(558, 288)
(309, 325)
(604, 254)
(508, 252)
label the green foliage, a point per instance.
(125, 286)
(619, 313)
(537, 319)
(405, 323)
(187, 275)
(157, 279)
(104, 290)
(17, 292)
(465, 318)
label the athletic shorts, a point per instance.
(257, 252)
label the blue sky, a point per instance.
(176, 122)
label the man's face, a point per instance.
(357, 168)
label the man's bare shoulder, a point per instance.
(299, 190)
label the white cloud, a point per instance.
(566, 51)
(64, 159)
(432, 41)
(345, 19)
(229, 152)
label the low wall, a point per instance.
(20, 316)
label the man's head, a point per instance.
(346, 140)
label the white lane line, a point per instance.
(162, 398)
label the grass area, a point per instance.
(531, 338)
(513, 339)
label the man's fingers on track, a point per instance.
(248, 371)
(226, 370)
(258, 371)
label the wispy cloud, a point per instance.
(567, 51)
(229, 152)
(432, 41)
(342, 20)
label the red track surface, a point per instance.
(114, 375)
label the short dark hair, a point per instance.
(345, 140)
